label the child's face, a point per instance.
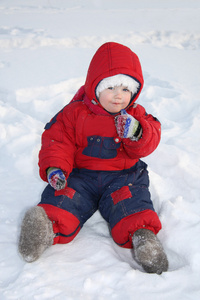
(114, 99)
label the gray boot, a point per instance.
(148, 252)
(36, 234)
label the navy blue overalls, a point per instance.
(122, 197)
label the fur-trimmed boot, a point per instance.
(36, 234)
(148, 252)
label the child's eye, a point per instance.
(110, 88)
(126, 90)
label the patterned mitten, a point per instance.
(127, 126)
(56, 178)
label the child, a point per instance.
(90, 156)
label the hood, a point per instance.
(109, 60)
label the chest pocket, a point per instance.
(101, 147)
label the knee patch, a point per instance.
(65, 225)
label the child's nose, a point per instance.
(118, 92)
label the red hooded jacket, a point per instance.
(83, 134)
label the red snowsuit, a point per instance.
(83, 136)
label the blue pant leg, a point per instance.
(79, 196)
(128, 198)
(127, 194)
(70, 208)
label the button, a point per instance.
(98, 140)
(117, 140)
(91, 139)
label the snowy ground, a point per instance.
(45, 50)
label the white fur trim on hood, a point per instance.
(118, 80)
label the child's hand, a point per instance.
(56, 178)
(127, 126)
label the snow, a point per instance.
(45, 50)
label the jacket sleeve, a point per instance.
(58, 144)
(151, 134)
